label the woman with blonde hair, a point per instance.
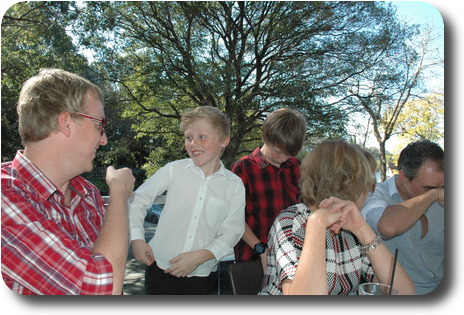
(323, 245)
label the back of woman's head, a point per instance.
(46, 95)
(336, 168)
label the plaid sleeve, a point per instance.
(40, 257)
(367, 271)
(289, 244)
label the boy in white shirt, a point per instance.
(203, 217)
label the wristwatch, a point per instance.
(260, 248)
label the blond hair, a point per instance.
(213, 115)
(46, 95)
(336, 168)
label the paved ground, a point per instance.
(134, 280)
(135, 272)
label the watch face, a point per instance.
(260, 248)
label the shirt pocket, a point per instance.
(216, 211)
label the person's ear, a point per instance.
(402, 177)
(64, 122)
(225, 142)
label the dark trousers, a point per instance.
(159, 283)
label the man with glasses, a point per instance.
(57, 236)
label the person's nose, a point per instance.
(103, 139)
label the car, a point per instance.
(106, 200)
(153, 213)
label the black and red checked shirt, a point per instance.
(269, 190)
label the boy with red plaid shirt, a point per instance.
(271, 178)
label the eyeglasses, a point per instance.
(102, 121)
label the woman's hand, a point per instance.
(350, 217)
(324, 217)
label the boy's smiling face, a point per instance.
(204, 145)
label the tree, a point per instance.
(423, 119)
(31, 39)
(34, 36)
(247, 58)
(384, 89)
(155, 60)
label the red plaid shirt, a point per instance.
(46, 245)
(269, 190)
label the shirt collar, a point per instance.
(259, 158)
(222, 169)
(261, 161)
(37, 179)
(392, 188)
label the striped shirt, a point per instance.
(47, 245)
(269, 190)
(346, 268)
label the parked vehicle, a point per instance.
(154, 213)
(106, 200)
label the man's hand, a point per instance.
(120, 181)
(441, 196)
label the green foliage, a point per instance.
(423, 119)
(31, 39)
(157, 59)
(247, 58)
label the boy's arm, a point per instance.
(143, 252)
(251, 240)
(249, 237)
(185, 263)
(143, 198)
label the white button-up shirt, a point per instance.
(200, 213)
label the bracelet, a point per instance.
(371, 246)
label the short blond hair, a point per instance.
(46, 95)
(213, 115)
(336, 168)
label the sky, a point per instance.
(418, 12)
(449, 298)
(414, 12)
